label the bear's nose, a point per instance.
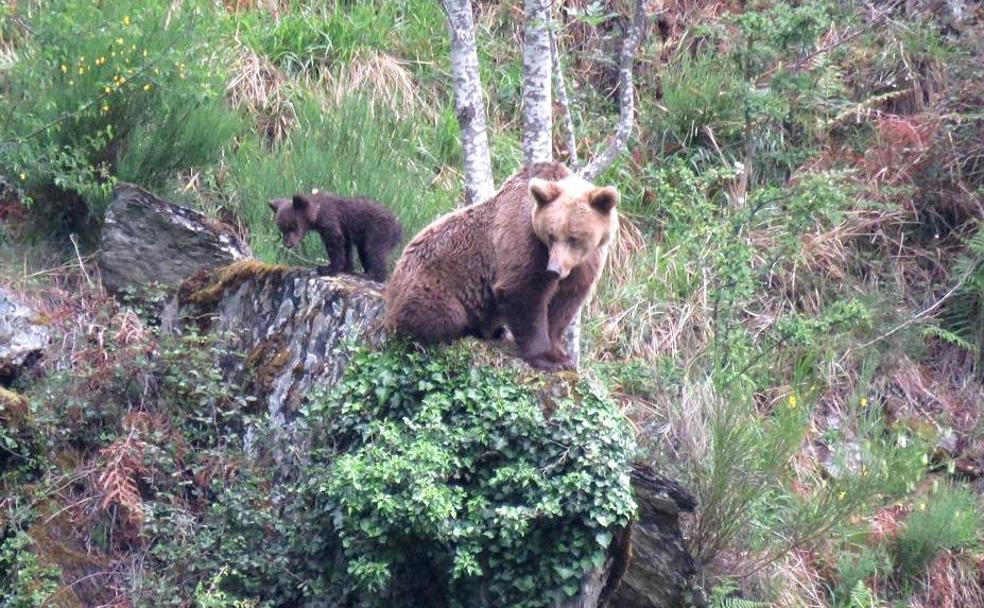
(554, 268)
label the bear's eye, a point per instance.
(572, 242)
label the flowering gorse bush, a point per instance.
(105, 90)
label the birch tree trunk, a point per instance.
(469, 105)
(626, 91)
(537, 110)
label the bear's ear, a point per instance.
(604, 199)
(301, 203)
(274, 204)
(542, 191)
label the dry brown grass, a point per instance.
(954, 581)
(381, 78)
(258, 88)
(634, 321)
(797, 581)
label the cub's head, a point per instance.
(294, 217)
(573, 218)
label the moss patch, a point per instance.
(13, 408)
(265, 363)
(207, 287)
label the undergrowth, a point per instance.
(791, 316)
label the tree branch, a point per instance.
(567, 119)
(626, 121)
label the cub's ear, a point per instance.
(604, 199)
(274, 204)
(542, 191)
(300, 202)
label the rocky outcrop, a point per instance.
(293, 330)
(148, 240)
(658, 568)
(24, 335)
(290, 327)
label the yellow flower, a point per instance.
(864, 402)
(792, 402)
(108, 90)
(82, 59)
(147, 87)
(23, 176)
(145, 52)
(119, 41)
(922, 506)
(105, 107)
(64, 68)
(126, 20)
(71, 82)
(81, 70)
(133, 47)
(841, 495)
(122, 80)
(101, 60)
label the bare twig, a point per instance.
(78, 256)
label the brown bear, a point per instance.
(525, 259)
(343, 223)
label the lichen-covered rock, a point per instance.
(290, 327)
(291, 332)
(23, 336)
(148, 240)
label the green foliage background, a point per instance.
(791, 319)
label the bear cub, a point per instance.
(524, 259)
(342, 223)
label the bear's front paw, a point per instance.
(549, 363)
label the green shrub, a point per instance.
(454, 472)
(135, 96)
(853, 569)
(949, 519)
(24, 581)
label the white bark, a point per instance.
(567, 122)
(469, 105)
(537, 110)
(617, 144)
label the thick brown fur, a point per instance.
(342, 223)
(524, 259)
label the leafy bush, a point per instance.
(136, 97)
(454, 473)
(947, 519)
(24, 581)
